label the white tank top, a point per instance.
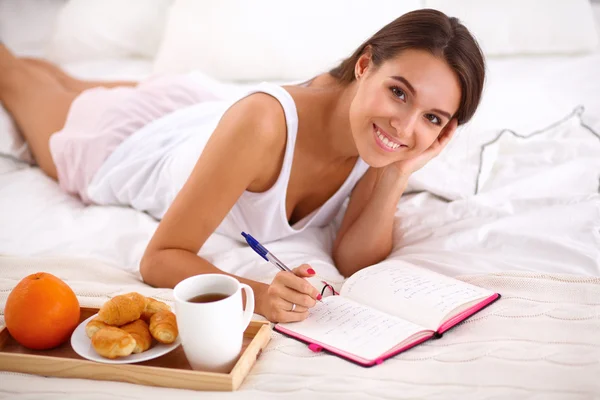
(149, 168)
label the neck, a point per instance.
(326, 115)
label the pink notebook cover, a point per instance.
(318, 346)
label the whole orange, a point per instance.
(41, 312)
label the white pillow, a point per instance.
(518, 27)
(102, 29)
(26, 25)
(559, 161)
(240, 40)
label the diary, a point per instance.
(386, 309)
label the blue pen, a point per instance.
(264, 253)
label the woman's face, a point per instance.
(401, 107)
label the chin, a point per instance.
(374, 158)
(371, 154)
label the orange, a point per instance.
(41, 312)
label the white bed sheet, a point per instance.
(540, 341)
(515, 223)
(489, 232)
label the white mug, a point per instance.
(212, 333)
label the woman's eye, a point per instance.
(433, 119)
(399, 93)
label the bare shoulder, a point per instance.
(258, 117)
(256, 127)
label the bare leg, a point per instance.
(69, 82)
(37, 102)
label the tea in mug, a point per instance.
(208, 298)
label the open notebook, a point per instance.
(386, 309)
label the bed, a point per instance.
(512, 204)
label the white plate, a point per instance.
(83, 346)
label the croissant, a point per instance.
(153, 306)
(94, 326)
(111, 342)
(163, 327)
(138, 329)
(122, 309)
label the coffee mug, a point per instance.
(212, 326)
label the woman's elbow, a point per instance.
(349, 265)
(149, 269)
(342, 265)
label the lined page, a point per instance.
(413, 293)
(353, 328)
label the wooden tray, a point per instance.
(169, 370)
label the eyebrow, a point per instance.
(414, 93)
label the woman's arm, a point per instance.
(168, 267)
(233, 160)
(365, 236)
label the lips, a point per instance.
(385, 140)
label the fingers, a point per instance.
(294, 290)
(297, 283)
(293, 316)
(297, 298)
(280, 310)
(452, 124)
(289, 306)
(444, 138)
(286, 314)
(448, 132)
(304, 271)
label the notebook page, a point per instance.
(413, 293)
(353, 328)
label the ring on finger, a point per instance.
(293, 307)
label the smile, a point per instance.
(385, 141)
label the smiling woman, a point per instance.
(273, 161)
(406, 113)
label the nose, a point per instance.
(405, 124)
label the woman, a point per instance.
(271, 162)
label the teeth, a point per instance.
(386, 141)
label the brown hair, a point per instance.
(435, 32)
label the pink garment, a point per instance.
(100, 119)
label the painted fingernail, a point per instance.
(311, 271)
(319, 297)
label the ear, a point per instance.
(363, 63)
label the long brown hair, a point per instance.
(435, 32)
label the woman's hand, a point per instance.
(287, 290)
(407, 167)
